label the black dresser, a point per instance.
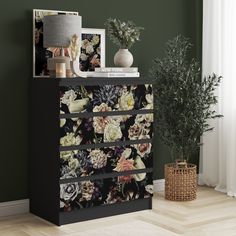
(90, 147)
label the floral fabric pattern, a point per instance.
(75, 99)
(76, 131)
(86, 194)
(105, 129)
(78, 163)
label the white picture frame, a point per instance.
(88, 70)
(40, 54)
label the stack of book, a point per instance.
(116, 72)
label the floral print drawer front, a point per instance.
(76, 99)
(86, 194)
(76, 131)
(79, 163)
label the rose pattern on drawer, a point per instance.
(75, 99)
(76, 131)
(86, 194)
(79, 163)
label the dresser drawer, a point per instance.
(87, 162)
(77, 131)
(80, 98)
(86, 194)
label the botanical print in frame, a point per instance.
(92, 52)
(41, 54)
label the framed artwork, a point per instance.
(92, 52)
(41, 54)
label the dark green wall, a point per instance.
(162, 19)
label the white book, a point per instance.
(114, 74)
(116, 69)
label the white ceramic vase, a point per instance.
(123, 58)
(74, 65)
(76, 72)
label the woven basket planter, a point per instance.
(180, 181)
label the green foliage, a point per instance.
(123, 34)
(183, 101)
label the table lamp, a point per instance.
(57, 33)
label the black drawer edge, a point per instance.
(106, 176)
(105, 211)
(101, 145)
(105, 113)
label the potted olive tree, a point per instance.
(183, 107)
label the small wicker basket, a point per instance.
(180, 181)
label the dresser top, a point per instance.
(99, 81)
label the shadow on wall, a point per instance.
(14, 91)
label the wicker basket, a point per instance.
(180, 181)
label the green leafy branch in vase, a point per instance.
(123, 34)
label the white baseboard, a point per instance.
(14, 207)
(159, 185)
(201, 179)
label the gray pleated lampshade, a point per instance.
(58, 30)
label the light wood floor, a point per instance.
(212, 214)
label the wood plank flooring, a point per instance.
(212, 214)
